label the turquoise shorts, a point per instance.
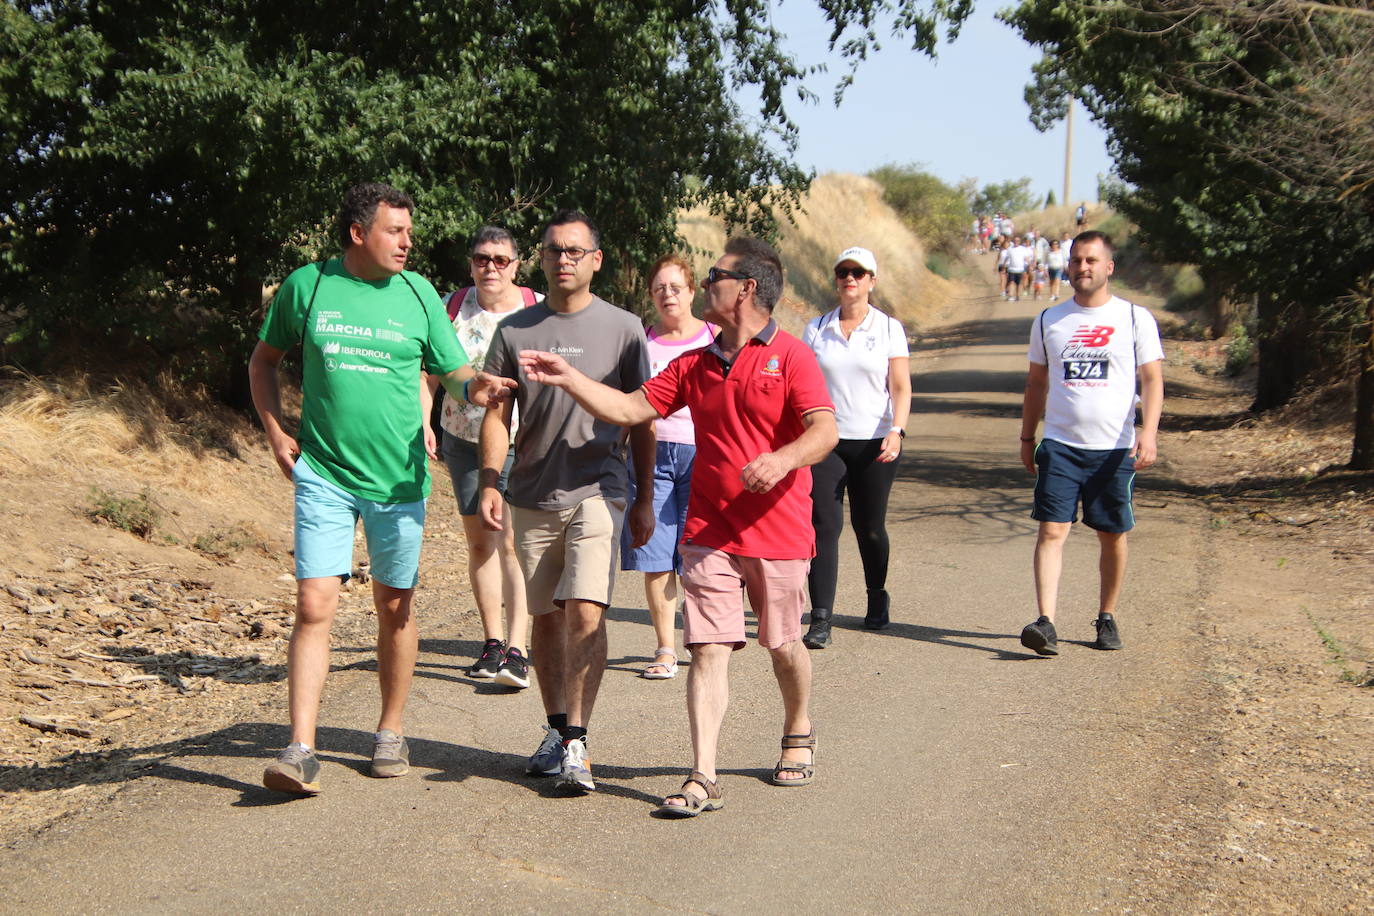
(326, 516)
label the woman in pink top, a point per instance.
(675, 332)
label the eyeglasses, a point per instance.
(555, 253)
(499, 261)
(858, 273)
(668, 289)
(720, 273)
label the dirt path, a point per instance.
(957, 774)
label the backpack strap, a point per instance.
(455, 301)
(310, 306)
(1044, 346)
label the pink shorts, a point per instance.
(715, 583)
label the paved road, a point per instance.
(956, 773)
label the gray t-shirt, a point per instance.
(562, 453)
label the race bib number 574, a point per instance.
(1085, 369)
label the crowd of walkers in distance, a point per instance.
(1030, 263)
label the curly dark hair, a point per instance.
(360, 206)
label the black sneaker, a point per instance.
(489, 660)
(514, 670)
(1107, 636)
(1040, 637)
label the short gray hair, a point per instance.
(758, 261)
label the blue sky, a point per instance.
(962, 115)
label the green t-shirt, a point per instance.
(362, 352)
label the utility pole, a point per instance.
(1068, 154)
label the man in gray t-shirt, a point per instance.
(562, 453)
(567, 488)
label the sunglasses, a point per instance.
(499, 261)
(720, 273)
(858, 273)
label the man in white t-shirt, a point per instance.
(1018, 262)
(1085, 356)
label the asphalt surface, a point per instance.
(956, 773)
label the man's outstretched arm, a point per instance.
(601, 401)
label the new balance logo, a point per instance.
(1090, 336)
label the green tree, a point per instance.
(1010, 196)
(1244, 130)
(936, 212)
(163, 159)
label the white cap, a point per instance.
(861, 256)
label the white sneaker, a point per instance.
(575, 775)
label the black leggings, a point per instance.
(852, 466)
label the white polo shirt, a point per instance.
(856, 369)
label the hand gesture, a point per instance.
(487, 390)
(546, 368)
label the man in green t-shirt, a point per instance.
(365, 326)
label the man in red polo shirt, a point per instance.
(763, 417)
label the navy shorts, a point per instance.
(1102, 480)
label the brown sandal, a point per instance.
(692, 806)
(807, 770)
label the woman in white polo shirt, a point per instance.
(864, 356)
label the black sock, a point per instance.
(559, 721)
(571, 732)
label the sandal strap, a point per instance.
(665, 650)
(708, 786)
(794, 742)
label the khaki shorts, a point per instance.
(715, 583)
(568, 554)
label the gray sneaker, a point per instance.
(296, 770)
(575, 775)
(390, 755)
(548, 760)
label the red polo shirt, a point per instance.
(741, 410)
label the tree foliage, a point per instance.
(1244, 131)
(936, 212)
(163, 159)
(1010, 196)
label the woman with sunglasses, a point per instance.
(864, 356)
(675, 332)
(492, 567)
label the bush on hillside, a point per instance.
(935, 211)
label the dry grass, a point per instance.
(75, 426)
(841, 210)
(1053, 222)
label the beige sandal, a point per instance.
(691, 805)
(807, 770)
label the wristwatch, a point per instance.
(899, 431)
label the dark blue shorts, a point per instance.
(1102, 480)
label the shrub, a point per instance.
(135, 514)
(1239, 350)
(936, 212)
